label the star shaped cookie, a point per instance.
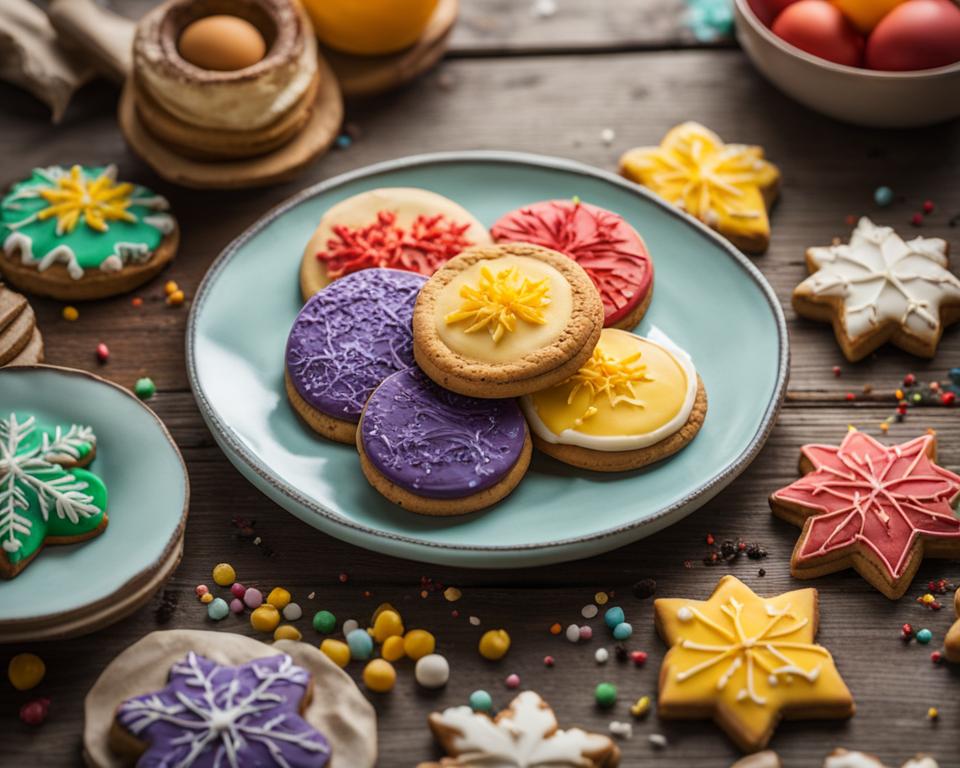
(729, 187)
(747, 661)
(879, 288)
(872, 507)
(951, 643)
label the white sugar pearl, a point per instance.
(432, 671)
(685, 614)
(573, 633)
(349, 625)
(658, 740)
(589, 611)
(601, 656)
(292, 612)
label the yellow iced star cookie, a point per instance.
(747, 661)
(729, 187)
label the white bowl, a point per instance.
(854, 95)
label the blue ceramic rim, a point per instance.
(141, 576)
(227, 438)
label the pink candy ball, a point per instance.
(513, 681)
(237, 590)
(586, 632)
(253, 597)
(236, 605)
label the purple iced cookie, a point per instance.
(209, 715)
(349, 337)
(439, 445)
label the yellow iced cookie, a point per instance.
(729, 187)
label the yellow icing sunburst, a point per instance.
(96, 202)
(604, 374)
(498, 300)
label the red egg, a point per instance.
(817, 27)
(768, 10)
(920, 34)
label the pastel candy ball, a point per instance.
(349, 625)
(613, 616)
(292, 612)
(253, 598)
(266, 618)
(601, 655)
(337, 651)
(237, 589)
(236, 605)
(606, 695)
(622, 631)
(279, 598)
(361, 644)
(224, 575)
(206, 598)
(26, 671)
(586, 632)
(418, 643)
(573, 633)
(512, 681)
(387, 624)
(287, 632)
(392, 648)
(432, 671)
(883, 196)
(218, 609)
(324, 621)
(481, 701)
(924, 636)
(379, 676)
(494, 644)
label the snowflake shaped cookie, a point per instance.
(842, 758)
(213, 716)
(525, 735)
(879, 288)
(45, 496)
(748, 661)
(872, 507)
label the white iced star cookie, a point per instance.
(880, 288)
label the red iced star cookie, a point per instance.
(874, 507)
(603, 243)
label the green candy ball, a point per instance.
(324, 621)
(606, 695)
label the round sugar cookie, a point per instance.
(78, 233)
(506, 320)
(633, 402)
(602, 242)
(395, 227)
(345, 341)
(435, 452)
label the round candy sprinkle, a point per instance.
(639, 658)
(25, 671)
(606, 695)
(206, 598)
(589, 611)
(906, 631)
(279, 598)
(614, 616)
(548, 661)
(337, 651)
(432, 671)
(387, 624)
(601, 598)
(924, 636)
(236, 605)
(170, 287)
(349, 625)
(35, 712)
(379, 676)
(265, 618)
(418, 643)
(481, 701)
(883, 196)
(916, 219)
(622, 631)
(287, 632)
(494, 644)
(253, 598)
(70, 314)
(601, 655)
(361, 644)
(452, 594)
(103, 352)
(201, 589)
(936, 657)
(928, 206)
(175, 299)
(641, 707)
(586, 632)
(237, 589)
(392, 648)
(933, 713)
(145, 389)
(218, 609)
(292, 611)
(573, 633)
(512, 681)
(556, 628)
(324, 621)
(224, 574)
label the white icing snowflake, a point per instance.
(883, 279)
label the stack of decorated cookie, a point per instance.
(20, 339)
(438, 349)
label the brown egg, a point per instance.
(222, 42)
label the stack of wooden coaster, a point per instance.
(20, 339)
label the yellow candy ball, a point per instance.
(224, 574)
(379, 676)
(370, 27)
(206, 598)
(494, 644)
(418, 643)
(387, 624)
(866, 14)
(392, 649)
(279, 598)
(337, 651)
(25, 671)
(287, 632)
(266, 618)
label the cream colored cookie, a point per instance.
(20, 341)
(397, 227)
(506, 320)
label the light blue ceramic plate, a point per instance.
(147, 490)
(708, 298)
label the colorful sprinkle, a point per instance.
(432, 671)
(605, 695)
(601, 598)
(103, 353)
(586, 632)
(621, 730)
(573, 633)
(265, 618)
(287, 632)
(35, 712)
(512, 681)
(253, 598)
(218, 609)
(237, 589)
(145, 389)
(324, 621)
(418, 643)
(556, 628)
(480, 701)
(589, 611)
(70, 314)
(924, 636)
(601, 655)
(494, 644)
(361, 644)
(201, 589)
(292, 612)
(883, 196)
(392, 648)
(26, 671)
(622, 631)
(206, 599)
(379, 676)
(641, 707)
(452, 594)
(614, 616)
(387, 624)
(337, 651)
(548, 661)
(638, 657)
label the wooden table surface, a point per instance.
(547, 85)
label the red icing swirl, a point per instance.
(423, 248)
(601, 242)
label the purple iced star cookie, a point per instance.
(437, 452)
(346, 340)
(211, 716)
